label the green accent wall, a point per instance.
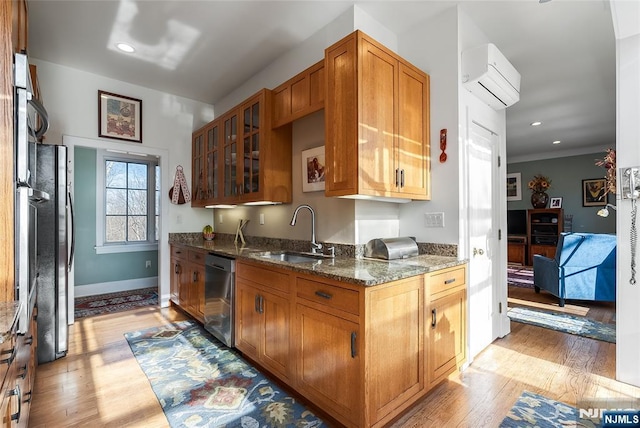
(566, 175)
(92, 268)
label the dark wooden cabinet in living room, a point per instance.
(543, 229)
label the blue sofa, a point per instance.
(584, 268)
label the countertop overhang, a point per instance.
(365, 272)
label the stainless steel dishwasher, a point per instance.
(219, 296)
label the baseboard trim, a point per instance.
(115, 286)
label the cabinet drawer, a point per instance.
(196, 256)
(267, 277)
(336, 297)
(446, 279)
(179, 252)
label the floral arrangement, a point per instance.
(609, 164)
(539, 183)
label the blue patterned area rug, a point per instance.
(565, 323)
(533, 410)
(202, 383)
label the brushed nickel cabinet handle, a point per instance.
(450, 281)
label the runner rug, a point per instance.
(115, 302)
(533, 410)
(200, 382)
(520, 276)
(565, 323)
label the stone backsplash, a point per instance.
(341, 250)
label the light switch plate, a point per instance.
(433, 219)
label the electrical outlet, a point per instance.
(433, 219)
(220, 219)
(179, 219)
(147, 264)
(261, 218)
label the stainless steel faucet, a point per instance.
(315, 247)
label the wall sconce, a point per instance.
(604, 212)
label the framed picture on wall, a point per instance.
(594, 192)
(119, 117)
(514, 187)
(313, 169)
(555, 203)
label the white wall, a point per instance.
(71, 99)
(628, 155)
(433, 47)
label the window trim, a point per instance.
(151, 244)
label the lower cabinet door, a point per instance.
(275, 348)
(446, 348)
(248, 320)
(329, 363)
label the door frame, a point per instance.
(473, 111)
(163, 247)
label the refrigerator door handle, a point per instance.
(73, 232)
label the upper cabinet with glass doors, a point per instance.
(205, 152)
(246, 160)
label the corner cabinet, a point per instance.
(239, 158)
(543, 230)
(377, 122)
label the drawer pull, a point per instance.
(450, 281)
(24, 370)
(324, 295)
(433, 318)
(16, 391)
(353, 344)
(9, 360)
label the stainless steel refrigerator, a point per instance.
(30, 124)
(55, 252)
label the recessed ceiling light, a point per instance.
(125, 47)
(556, 142)
(536, 123)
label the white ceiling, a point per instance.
(564, 50)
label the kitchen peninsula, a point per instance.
(287, 313)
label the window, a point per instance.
(129, 208)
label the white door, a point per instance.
(484, 295)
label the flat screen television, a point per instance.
(516, 222)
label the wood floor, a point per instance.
(99, 382)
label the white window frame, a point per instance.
(103, 247)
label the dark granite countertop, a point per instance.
(353, 270)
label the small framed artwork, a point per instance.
(313, 169)
(514, 187)
(119, 117)
(555, 203)
(594, 192)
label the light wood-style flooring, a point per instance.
(99, 383)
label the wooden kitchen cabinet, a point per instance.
(446, 314)
(339, 335)
(20, 26)
(206, 152)
(377, 122)
(299, 96)
(188, 280)
(263, 318)
(239, 158)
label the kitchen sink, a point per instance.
(294, 257)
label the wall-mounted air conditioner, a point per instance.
(488, 74)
